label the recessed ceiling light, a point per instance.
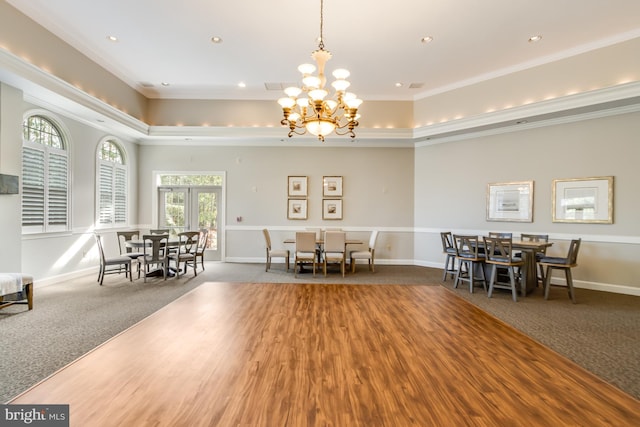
(398, 84)
(534, 39)
(112, 38)
(165, 83)
(216, 39)
(427, 39)
(242, 84)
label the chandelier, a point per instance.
(314, 112)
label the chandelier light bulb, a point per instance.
(311, 82)
(340, 85)
(353, 103)
(318, 94)
(286, 102)
(294, 117)
(341, 73)
(306, 69)
(303, 102)
(331, 104)
(293, 91)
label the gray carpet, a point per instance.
(599, 333)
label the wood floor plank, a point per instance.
(231, 354)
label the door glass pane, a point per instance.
(174, 211)
(208, 216)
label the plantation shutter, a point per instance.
(33, 189)
(112, 200)
(120, 196)
(105, 208)
(58, 190)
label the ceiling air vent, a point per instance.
(145, 84)
(416, 85)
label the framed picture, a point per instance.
(510, 201)
(297, 209)
(331, 209)
(297, 186)
(332, 186)
(583, 200)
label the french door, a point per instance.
(184, 208)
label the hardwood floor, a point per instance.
(328, 355)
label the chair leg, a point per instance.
(492, 280)
(567, 273)
(268, 264)
(547, 282)
(512, 279)
(457, 279)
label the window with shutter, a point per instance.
(45, 177)
(111, 186)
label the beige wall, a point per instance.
(596, 69)
(29, 41)
(451, 180)
(378, 191)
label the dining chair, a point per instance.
(154, 255)
(203, 243)
(334, 250)
(277, 253)
(159, 231)
(305, 250)
(539, 254)
(562, 263)
(123, 238)
(470, 259)
(450, 254)
(499, 253)
(186, 251)
(112, 265)
(369, 254)
(318, 232)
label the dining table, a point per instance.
(139, 244)
(320, 242)
(528, 273)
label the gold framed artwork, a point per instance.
(583, 200)
(331, 186)
(297, 209)
(297, 186)
(510, 201)
(331, 209)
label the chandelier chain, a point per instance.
(321, 44)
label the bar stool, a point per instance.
(468, 256)
(449, 250)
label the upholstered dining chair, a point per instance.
(562, 263)
(186, 251)
(154, 255)
(369, 254)
(449, 250)
(112, 265)
(305, 250)
(274, 253)
(499, 253)
(470, 259)
(334, 250)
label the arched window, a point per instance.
(111, 185)
(45, 177)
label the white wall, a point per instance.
(10, 164)
(59, 254)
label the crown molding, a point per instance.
(50, 92)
